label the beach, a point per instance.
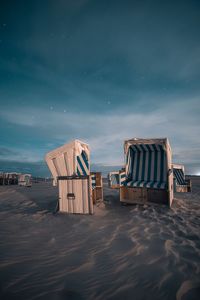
(120, 252)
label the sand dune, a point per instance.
(130, 252)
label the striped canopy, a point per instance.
(146, 166)
(179, 176)
(83, 164)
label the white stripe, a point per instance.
(128, 163)
(148, 184)
(134, 165)
(135, 183)
(127, 168)
(152, 163)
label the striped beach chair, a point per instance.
(180, 183)
(70, 168)
(97, 187)
(148, 174)
(116, 178)
(113, 180)
(71, 159)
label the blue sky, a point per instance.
(100, 71)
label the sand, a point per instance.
(121, 252)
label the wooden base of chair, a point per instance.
(183, 189)
(133, 195)
(115, 187)
(97, 194)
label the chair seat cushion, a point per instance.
(147, 184)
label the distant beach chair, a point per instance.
(25, 180)
(116, 178)
(148, 173)
(97, 187)
(70, 168)
(181, 185)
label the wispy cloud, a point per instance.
(106, 132)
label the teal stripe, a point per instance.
(149, 163)
(155, 162)
(78, 172)
(84, 156)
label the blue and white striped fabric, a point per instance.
(122, 178)
(83, 164)
(146, 166)
(179, 176)
(93, 177)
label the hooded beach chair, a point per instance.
(148, 175)
(70, 168)
(181, 185)
(116, 178)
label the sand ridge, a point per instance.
(130, 252)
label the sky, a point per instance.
(98, 71)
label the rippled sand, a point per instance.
(121, 252)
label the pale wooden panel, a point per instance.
(85, 196)
(78, 197)
(61, 165)
(60, 196)
(65, 191)
(82, 203)
(54, 160)
(70, 203)
(133, 195)
(52, 168)
(90, 199)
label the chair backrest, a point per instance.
(113, 178)
(179, 176)
(147, 162)
(69, 159)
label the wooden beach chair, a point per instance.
(70, 168)
(148, 173)
(116, 178)
(181, 185)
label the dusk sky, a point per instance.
(99, 71)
